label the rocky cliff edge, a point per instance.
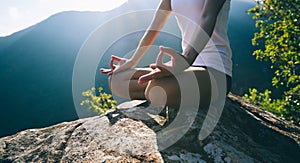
(244, 133)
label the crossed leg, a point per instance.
(162, 91)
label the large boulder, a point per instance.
(244, 134)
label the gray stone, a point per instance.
(244, 133)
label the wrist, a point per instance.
(134, 62)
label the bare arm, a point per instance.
(161, 16)
(208, 18)
(207, 21)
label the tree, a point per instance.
(279, 31)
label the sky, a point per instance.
(16, 15)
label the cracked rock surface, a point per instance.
(91, 139)
(243, 134)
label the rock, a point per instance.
(244, 134)
(91, 139)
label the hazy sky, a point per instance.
(16, 15)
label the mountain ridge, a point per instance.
(36, 64)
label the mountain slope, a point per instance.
(36, 64)
(36, 67)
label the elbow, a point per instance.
(208, 18)
(207, 23)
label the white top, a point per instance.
(217, 52)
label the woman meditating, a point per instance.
(206, 55)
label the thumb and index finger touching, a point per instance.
(159, 68)
(111, 65)
(113, 60)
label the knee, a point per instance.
(112, 83)
(115, 84)
(109, 81)
(156, 94)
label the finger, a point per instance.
(105, 71)
(147, 77)
(115, 58)
(112, 60)
(171, 52)
(159, 59)
(172, 62)
(165, 51)
(176, 57)
(111, 65)
(153, 66)
(168, 50)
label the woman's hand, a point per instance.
(123, 64)
(177, 65)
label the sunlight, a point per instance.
(18, 15)
(79, 5)
(99, 5)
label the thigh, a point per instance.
(124, 84)
(132, 74)
(191, 85)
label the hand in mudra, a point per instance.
(123, 64)
(177, 65)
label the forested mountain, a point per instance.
(36, 64)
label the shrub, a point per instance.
(98, 104)
(279, 31)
